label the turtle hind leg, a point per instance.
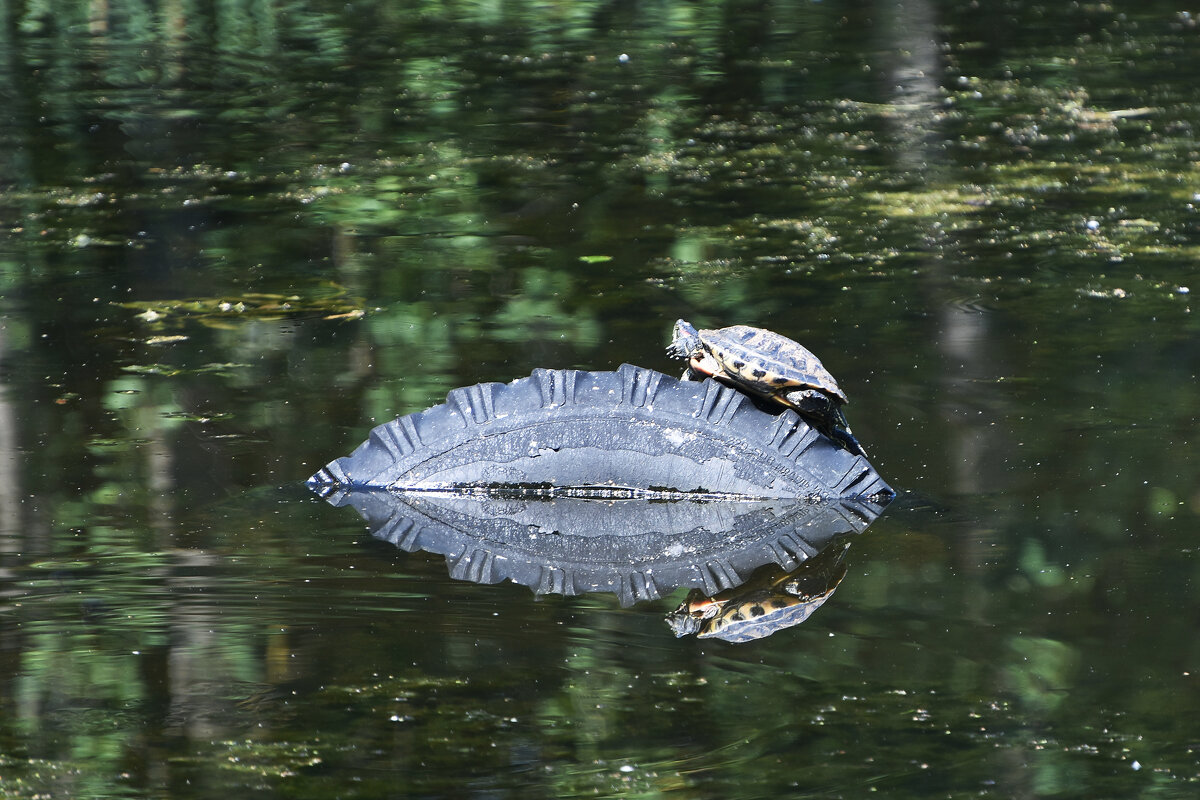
(847, 440)
(839, 434)
(826, 416)
(842, 433)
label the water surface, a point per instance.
(235, 239)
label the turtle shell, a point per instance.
(766, 362)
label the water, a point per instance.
(234, 240)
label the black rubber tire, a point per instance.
(634, 428)
(443, 480)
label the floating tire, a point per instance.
(630, 482)
(631, 433)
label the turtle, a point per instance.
(771, 600)
(769, 366)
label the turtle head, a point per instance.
(685, 340)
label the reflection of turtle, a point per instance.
(773, 599)
(767, 365)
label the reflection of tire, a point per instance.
(570, 546)
(634, 429)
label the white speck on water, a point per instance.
(623, 58)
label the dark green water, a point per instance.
(234, 237)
